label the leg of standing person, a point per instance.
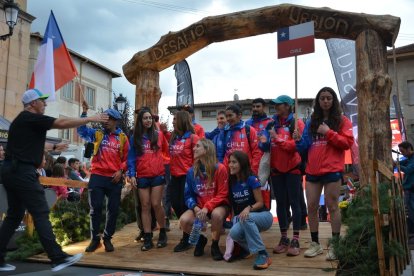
(166, 200)
(304, 210)
(332, 192)
(156, 197)
(280, 191)
(113, 193)
(138, 216)
(293, 186)
(313, 194)
(96, 199)
(177, 194)
(145, 199)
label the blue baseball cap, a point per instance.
(114, 114)
(284, 99)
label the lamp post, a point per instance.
(11, 10)
(120, 103)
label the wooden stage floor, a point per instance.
(128, 256)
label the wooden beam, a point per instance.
(52, 181)
(383, 169)
(176, 46)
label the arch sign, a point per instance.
(371, 33)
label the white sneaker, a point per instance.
(70, 260)
(330, 256)
(314, 250)
(7, 267)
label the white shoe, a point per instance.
(7, 267)
(314, 250)
(70, 260)
(330, 256)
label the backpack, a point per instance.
(303, 155)
(99, 135)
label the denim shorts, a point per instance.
(325, 178)
(149, 182)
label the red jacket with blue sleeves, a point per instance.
(181, 153)
(326, 153)
(234, 138)
(284, 156)
(108, 159)
(151, 162)
(259, 123)
(197, 193)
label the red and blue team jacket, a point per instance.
(108, 159)
(326, 153)
(259, 123)
(199, 130)
(284, 157)
(181, 153)
(197, 193)
(151, 162)
(234, 138)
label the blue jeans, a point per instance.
(409, 205)
(100, 186)
(247, 233)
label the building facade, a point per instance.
(205, 113)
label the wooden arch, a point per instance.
(372, 34)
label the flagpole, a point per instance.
(296, 92)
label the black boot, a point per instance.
(199, 248)
(93, 245)
(215, 251)
(147, 242)
(162, 238)
(183, 245)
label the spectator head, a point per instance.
(74, 163)
(61, 160)
(58, 170)
(221, 118)
(233, 114)
(258, 107)
(406, 148)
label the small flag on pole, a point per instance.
(296, 40)
(54, 66)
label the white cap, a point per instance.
(33, 94)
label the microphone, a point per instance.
(395, 151)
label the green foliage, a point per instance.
(357, 250)
(70, 223)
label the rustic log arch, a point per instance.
(372, 34)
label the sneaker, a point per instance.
(162, 240)
(282, 247)
(262, 262)
(330, 256)
(182, 246)
(314, 250)
(7, 267)
(148, 244)
(93, 245)
(199, 248)
(108, 245)
(70, 260)
(294, 248)
(216, 253)
(140, 237)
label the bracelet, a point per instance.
(251, 207)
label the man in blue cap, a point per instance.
(107, 168)
(24, 154)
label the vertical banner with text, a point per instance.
(184, 84)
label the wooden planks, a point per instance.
(128, 256)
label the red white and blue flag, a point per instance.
(296, 40)
(54, 66)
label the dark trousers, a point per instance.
(99, 187)
(286, 188)
(166, 198)
(176, 187)
(25, 192)
(409, 205)
(138, 211)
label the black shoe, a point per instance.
(140, 237)
(108, 245)
(162, 240)
(182, 246)
(147, 242)
(70, 260)
(93, 245)
(199, 248)
(216, 253)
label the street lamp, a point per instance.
(11, 10)
(120, 102)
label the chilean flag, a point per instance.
(296, 40)
(54, 66)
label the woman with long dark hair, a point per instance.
(146, 172)
(326, 137)
(206, 197)
(248, 208)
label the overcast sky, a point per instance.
(111, 31)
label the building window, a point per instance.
(410, 89)
(90, 96)
(67, 91)
(272, 109)
(208, 113)
(246, 112)
(65, 134)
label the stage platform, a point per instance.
(128, 256)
